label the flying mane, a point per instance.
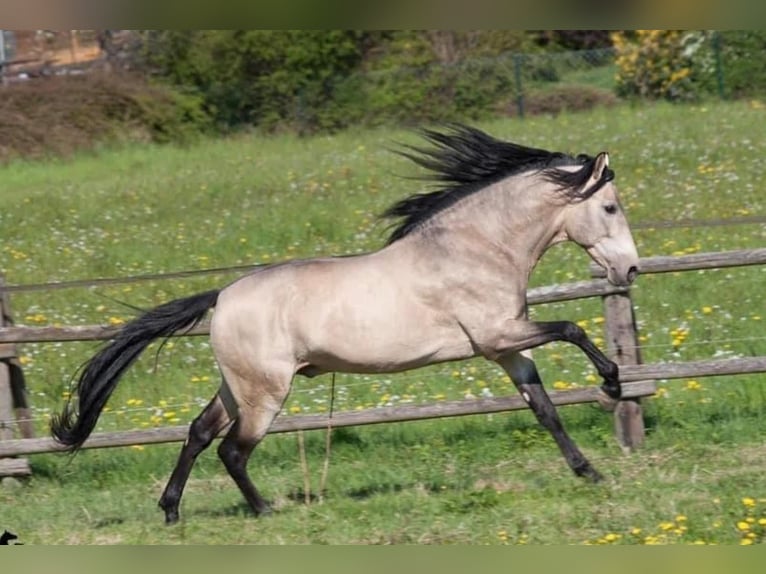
(464, 160)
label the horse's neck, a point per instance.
(514, 227)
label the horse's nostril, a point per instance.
(632, 274)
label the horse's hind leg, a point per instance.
(212, 420)
(259, 400)
(523, 372)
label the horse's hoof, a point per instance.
(264, 511)
(171, 517)
(613, 391)
(589, 473)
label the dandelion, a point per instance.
(743, 526)
(651, 540)
(137, 447)
(693, 385)
(115, 321)
(707, 310)
(748, 502)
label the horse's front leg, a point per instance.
(523, 372)
(518, 335)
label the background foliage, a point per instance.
(172, 85)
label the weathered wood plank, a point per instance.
(15, 467)
(7, 350)
(695, 261)
(342, 419)
(623, 348)
(6, 396)
(705, 368)
(23, 334)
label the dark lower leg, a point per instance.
(546, 414)
(235, 451)
(201, 433)
(523, 372)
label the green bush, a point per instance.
(255, 77)
(684, 65)
(62, 115)
(743, 66)
(654, 64)
(327, 80)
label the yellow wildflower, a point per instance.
(743, 526)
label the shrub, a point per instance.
(564, 98)
(654, 64)
(677, 65)
(743, 66)
(254, 77)
(61, 115)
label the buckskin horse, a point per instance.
(449, 284)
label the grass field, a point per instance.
(495, 479)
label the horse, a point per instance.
(449, 284)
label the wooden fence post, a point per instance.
(12, 395)
(623, 349)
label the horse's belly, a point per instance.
(387, 350)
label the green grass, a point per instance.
(485, 479)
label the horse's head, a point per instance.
(597, 222)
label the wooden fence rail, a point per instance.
(637, 382)
(621, 340)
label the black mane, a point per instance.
(464, 160)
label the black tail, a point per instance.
(101, 373)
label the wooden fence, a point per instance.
(621, 342)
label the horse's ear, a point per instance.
(600, 165)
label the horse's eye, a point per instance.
(610, 208)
